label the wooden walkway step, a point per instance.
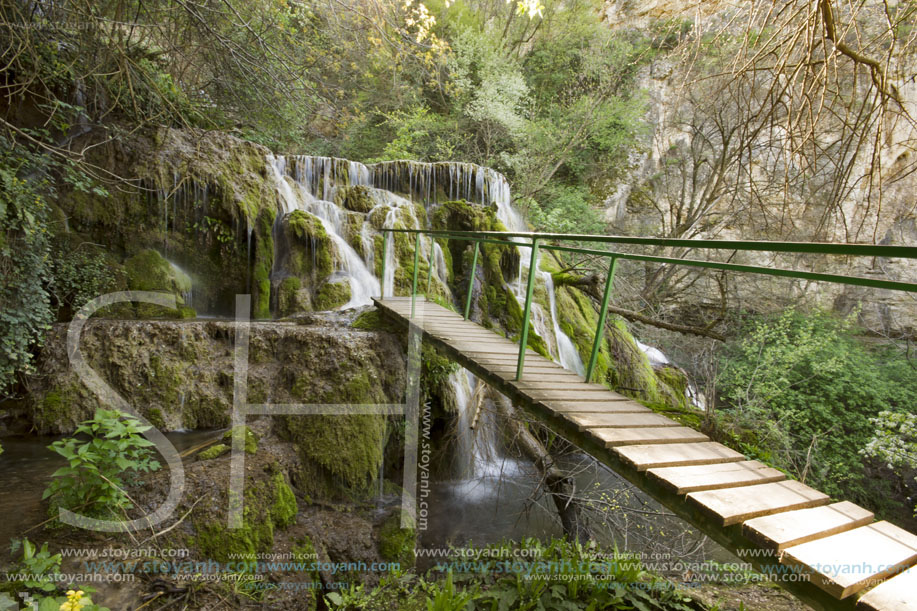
(683, 480)
(897, 594)
(645, 457)
(742, 504)
(848, 562)
(647, 435)
(735, 505)
(783, 530)
(619, 421)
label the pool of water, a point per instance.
(26, 465)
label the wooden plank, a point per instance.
(851, 561)
(734, 505)
(647, 435)
(622, 405)
(507, 372)
(542, 394)
(897, 594)
(682, 480)
(645, 457)
(784, 530)
(548, 373)
(577, 385)
(619, 420)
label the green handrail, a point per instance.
(600, 329)
(529, 288)
(535, 242)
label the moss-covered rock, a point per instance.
(178, 374)
(397, 544)
(214, 451)
(149, 271)
(250, 439)
(333, 295)
(357, 198)
(268, 505)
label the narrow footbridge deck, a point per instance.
(833, 555)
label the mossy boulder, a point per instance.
(357, 198)
(333, 294)
(341, 454)
(214, 451)
(250, 439)
(150, 271)
(306, 262)
(267, 506)
(310, 246)
(397, 544)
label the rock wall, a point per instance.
(179, 375)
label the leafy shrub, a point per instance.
(38, 563)
(802, 390)
(24, 304)
(93, 480)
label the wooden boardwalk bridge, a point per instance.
(848, 560)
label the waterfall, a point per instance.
(308, 183)
(439, 264)
(363, 284)
(655, 355)
(566, 351)
(185, 286)
(476, 435)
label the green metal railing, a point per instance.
(548, 241)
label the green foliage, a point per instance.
(40, 564)
(553, 575)
(80, 272)
(25, 312)
(443, 596)
(894, 443)
(803, 388)
(94, 479)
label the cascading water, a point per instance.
(480, 462)
(299, 196)
(566, 351)
(308, 183)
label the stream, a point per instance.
(27, 465)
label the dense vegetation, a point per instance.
(550, 96)
(802, 390)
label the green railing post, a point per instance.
(386, 236)
(416, 266)
(600, 330)
(530, 285)
(474, 265)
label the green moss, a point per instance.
(264, 261)
(251, 440)
(154, 415)
(288, 296)
(284, 508)
(213, 452)
(677, 383)
(346, 448)
(310, 246)
(268, 505)
(397, 544)
(149, 271)
(357, 198)
(332, 295)
(373, 320)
